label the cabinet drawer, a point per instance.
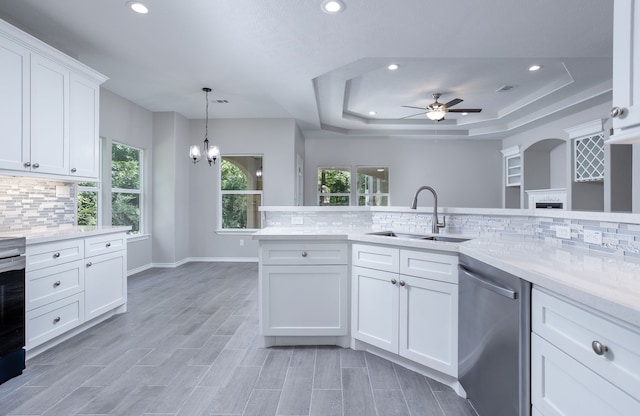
(433, 266)
(52, 254)
(573, 328)
(303, 253)
(54, 283)
(103, 244)
(375, 257)
(54, 319)
(562, 386)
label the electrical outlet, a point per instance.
(297, 220)
(241, 243)
(593, 237)
(563, 232)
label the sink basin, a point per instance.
(446, 239)
(420, 236)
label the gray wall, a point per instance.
(272, 138)
(125, 122)
(465, 173)
(171, 166)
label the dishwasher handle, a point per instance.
(495, 288)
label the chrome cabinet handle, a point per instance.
(56, 284)
(89, 264)
(56, 255)
(56, 319)
(108, 245)
(617, 112)
(394, 281)
(35, 165)
(402, 283)
(599, 348)
(73, 170)
(304, 254)
(27, 164)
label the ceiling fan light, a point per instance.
(435, 115)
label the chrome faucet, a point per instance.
(435, 225)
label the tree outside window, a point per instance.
(89, 204)
(334, 186)
(126, 189)
(241, 192)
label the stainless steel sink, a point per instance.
(420, 236)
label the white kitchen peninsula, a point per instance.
(598, 283)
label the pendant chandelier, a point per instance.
(211, 153)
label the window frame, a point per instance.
(321, 194)
(139, 191)
(382, 194)
(221, 193)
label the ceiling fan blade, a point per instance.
(410, 106)
(453, 102)
(412, 115)
(465, 110)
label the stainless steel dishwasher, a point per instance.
(494, 347)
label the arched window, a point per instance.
(240, 192)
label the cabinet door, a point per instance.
(429, 323)
(83, 128)
(374, 306)
(14, 109)
(626, 61)
(49, 117)
(304, 300)
(105, 283)
(561, 386)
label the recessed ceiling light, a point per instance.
(372, 113)
(138, 7)
(393, 67)
(464, 114)
(380, 169)
(332, 6)
(533, 68)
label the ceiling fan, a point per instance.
(437, 110)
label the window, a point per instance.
(334, 186)
(240, 192)
(372, 186)
(89, 204)
(126, 187)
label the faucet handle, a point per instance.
(442, 224)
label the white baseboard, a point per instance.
(190, 260)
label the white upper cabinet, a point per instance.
(84, 105)
(14, 109)
(626, 77)
(49, 110)
(49, 142)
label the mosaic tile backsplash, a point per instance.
(618, 239)
(30, 203)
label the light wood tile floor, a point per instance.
(188, 346)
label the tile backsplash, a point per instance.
(28, 203)
(618, 239)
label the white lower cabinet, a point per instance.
(415, 316)
(582, 362)
(303, 289)
(105, 283)
(69, 284)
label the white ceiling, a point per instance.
(288, 59)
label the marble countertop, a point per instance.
(45, 235)
(608, 284)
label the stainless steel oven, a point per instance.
(12, 307)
